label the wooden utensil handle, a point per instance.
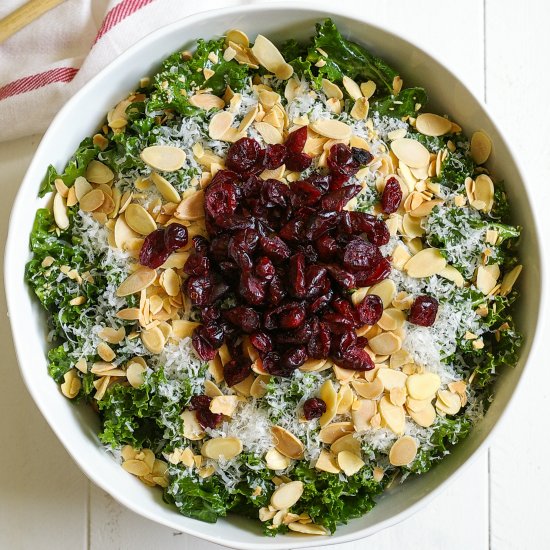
(24, 15)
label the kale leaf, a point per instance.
(406, 103)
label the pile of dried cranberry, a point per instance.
(289, 254)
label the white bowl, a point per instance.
(77, 427)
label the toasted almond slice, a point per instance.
(137, 281)
(182, 328)
(128, 314)
(224, 448)
(136, 467)
(219, 124)
(243, 388)
(274, 460)
(207, 101)
(433, 125)
(349, 462)
(164, 158)
(191, 207)
(391, 378)
(345, 399)
(424, 417)
(423, 386)
(425, 208)
(81, 187)
(329, 434)
(368, 390)
(480, 147)
(392, 415)
(237, 36)
(347, 443)
(165, 188)
(270, 57)
(269, 133)
(101, 367)
(448, 402)
(331, 90)
(139, 220)
(361, 415)
(153, 339)
(286, 443)
(392, 319)
(111, 335)
(308, 528)
(484, 191)
(331, 128)
(224, 404)
(509, 280)
(135, 374)
(211, 390)
(486, 277)
(385, 289)
(248, 119)
(411, 152)
(352, 87)
(92, 200)
(385, 343)
(97, 172)
(286, 495)
(403, 451)
(360, 109)
(425, 263)
(60, 212)
(61, 188)
(368, 88)
(191, 428)
(259, 386)
(452, 274)
(329, 396)
(71, 385)
(327, 463)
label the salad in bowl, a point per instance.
(281, 282)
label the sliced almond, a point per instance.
(207, 101)
(270, 57)
(331, 90)
(287, 495)
(269, 133)
(237, 36)
(509, 280)
(368, 390)
(385, 343)
(392, 415)
(329, 396)
(347, 443)
(308, 528)
(327, 463)
(349, 462)
(391, 378)
(71, 384)
(452, 274)
(153, 339)
(135, 374)
(191, 207)
(248, 119)
(424, 417)
(182, 328)
(97, 172)
(352, 87)
(403, 451)
(137, 281)
(224, 404)
(139, 219)
(480, 147)
(360, 109)
(368, 88)
(423, 386)
(164, 158)
(274, 460)
(60, 212)
(286, 443)
(484, 191)
(486, 277)
(211, 390)
(392, 319)
(313, 365)
(411, 152)
(136, 467)
(191, 428)
(385, 289)
(331, 128)
(362, 413)
(224, 448)
(425, 263)
(92, 200)
(165, 188)
(219, 124)
(259, 386)
(448, 402)
(81, 187)
(433, 125)
(329, 434)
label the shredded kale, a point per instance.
(406, 103)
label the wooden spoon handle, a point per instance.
(24, 15)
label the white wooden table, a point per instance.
(500, 49)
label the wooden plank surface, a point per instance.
(45, 502)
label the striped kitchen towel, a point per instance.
(46, 62)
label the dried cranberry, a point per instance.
(199, 289)
(318, 346)
(296, 275)
(274, 156)
(293, 317)
(320, 181)
(295, 142)
(320, 224)
(356, 358)
(276, 291)
(336, 200)
(264, 268)
(244, 317)
(252, 289)
(199, 402)
(210, 314)
(293, 358)
(271, 362)
(275, 248)
(153, 253)
(298, 162)
(236, 370)
(316, 277)
(423, 311)
(205, 417)
(378, 233)
(304, 193)
(341, 276)
(327, 247)
(314, 408)
(197, 264)
(370, 309)
(213, 332)
(341, 164)
(322, 301)
(301, 335)
(338, 323)
(360, 254)
(220, 198)
(251, 186)
(380, 272)
(205, 350)
(361, 156)
(242, 156)
(345, 308)
(175, 236)
(294, 229)
(274, 193)
(241, 246)
(261, 341)
(391, 196)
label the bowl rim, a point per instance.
(12, 242)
